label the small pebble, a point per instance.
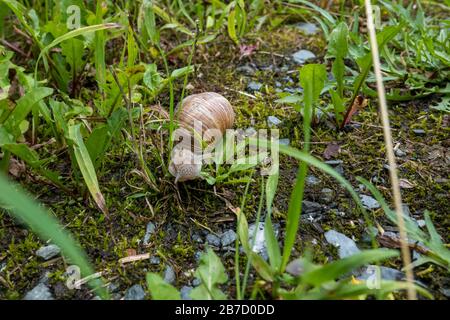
(307, 28)
(369, 202)
(40, 292)
(345, 245)
(254, 86)
(273, 121)
(303, 56)
(135, 292)
(184, 292)
(400, 153)
(48, 252)
(213, 240)
(169, 275)
(284, 142)
(150, 229)
(327, 195)
(419, 132)
(228, 237)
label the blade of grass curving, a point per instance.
(99, 44)
(338, 268)
(406, 255)
(70, 35)
(86, 167)
(312, 79)
(46, 227)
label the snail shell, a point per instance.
(197, 114)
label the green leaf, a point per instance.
(181, 72)
(24, 107)
(312, 79)
(152, 78)
(161, 290)
(70, 35)
(232, 26)
(273, 249)
(86, 167)
(211, 272)
(339, 268)
(338, 43)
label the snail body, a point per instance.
(202, 116)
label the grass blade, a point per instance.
(45, 226)
(86, 167)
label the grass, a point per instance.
(95, 96)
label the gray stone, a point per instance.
(295, 267)
(445, 292)
(2, 266)
(228, 237)
(312, 180)
(310, 207)
(169, 275)
(303, 56)
(421, 223)
(184, 292)
(345, 245)
(197, 256)
(258, 238)
(273, 121)
(40, 292)
(213, 240)
(388, 274)
(155, 260)
(246, 70)
(250, 132)
(253, 86)
(337, 165)
(368, 202)
(400, 153)
(284, 142)
(149, 230)
(327, 195)
(368, 233)
(197, 238)
(135, 292)
(419, 132)
(307, 28)
(48, 252)
(406, 210)
(196, 282)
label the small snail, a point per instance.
(202, 116)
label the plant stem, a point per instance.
(390, 153)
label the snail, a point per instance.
(203, 116)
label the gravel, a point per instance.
(48, 252)
(150, 229)
(327, 195)
(310, 207)
(135, 292)
(345, 245)
(213, 240)
(228, 237)
(253, 86)
(273, 121)
(169, 275)
(40, 292)
(369, 202)
(307, 28)
(184, 292)
(303, 56)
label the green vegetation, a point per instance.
(88, 98)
